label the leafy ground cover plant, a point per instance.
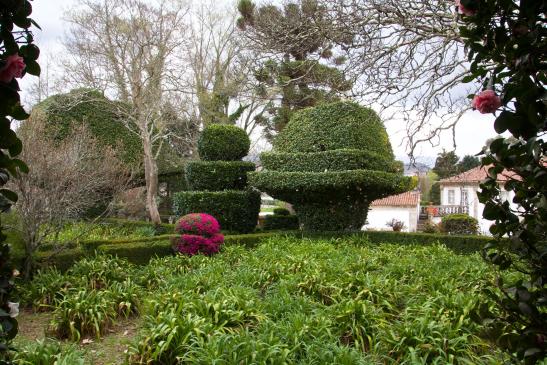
(293, 301)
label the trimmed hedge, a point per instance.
(92, 245)
(458, 243)
(223, 142)
(235, 210)
(333, 126)
(336, 160)
(459, 224)
(279, 222)
(328, 186)
(218, 175)
(163, 228)
(141, 251)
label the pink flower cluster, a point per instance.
(486, 101)
(191, 244)
(14, 67)
(200, 233)
(198, 223)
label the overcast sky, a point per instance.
(471, 132)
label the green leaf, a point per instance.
(8, 194)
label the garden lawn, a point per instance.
(287, 301)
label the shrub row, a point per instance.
(140, 252)
(218, 175)
(235, 210)
(335, 160)
(332, 186)
(163, 228)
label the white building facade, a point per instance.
(403, 207)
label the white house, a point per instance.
(403, 207)
(459, 194)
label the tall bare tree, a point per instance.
(408, 59)
(65, 179)
(131, 49)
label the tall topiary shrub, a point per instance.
(330, 162)
(218, 183)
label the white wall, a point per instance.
(379, 216)
(475, 207)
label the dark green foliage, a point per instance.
(138, 252)
(328, 186)
(16, 40)
(95, 244)
(468, 162)
(300, 34)
(281, 222)
(223, 142)
(235, 210)
(435, 193)
(334, 126)
(130, 224)
(219, 182)
(281, 211)
(459, 224)
(218, 175)
(335, 160)
(317, 165)
(446, 164)
(100, 115)
(506, 46)
(104, 118)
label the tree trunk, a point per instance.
(151, 178)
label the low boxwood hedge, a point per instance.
(140, 251)
(235, 210)
(335, 160)
(218, 175)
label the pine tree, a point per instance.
(303, 69)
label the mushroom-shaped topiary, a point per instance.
(330, 162)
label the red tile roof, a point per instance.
(475, 175)
(409, 198)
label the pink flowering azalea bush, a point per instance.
(198, 223)
(200, 234)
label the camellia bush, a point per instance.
(18, 57)
(200, 233)
(330, 162)
(507, 48)
(218, 183)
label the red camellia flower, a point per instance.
(486, 101)
(463, 10)
(14, 67)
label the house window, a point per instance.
(465, 197)
(451, 195)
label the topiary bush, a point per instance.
(223, 142)
(330, 162)
(200, 233)
(218, 184)
(459, 224)
(218, 175)
(237, 210)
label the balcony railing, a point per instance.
(442, 210)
